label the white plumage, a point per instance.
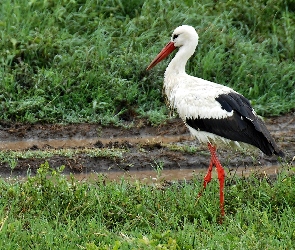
(211, 111)
(192, 92)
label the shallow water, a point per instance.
(151, 176)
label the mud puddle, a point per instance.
(154, 176)
(145, 147)
(167, 176)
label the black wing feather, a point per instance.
(244, 125)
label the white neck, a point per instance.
(177, 67)
(177, 64)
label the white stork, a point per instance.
(212, 112)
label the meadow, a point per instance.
(84, 61)
(74, 61)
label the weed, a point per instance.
(183, 148)
(158, 167)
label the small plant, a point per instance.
(12, 163)
(183, 148)
(158, 167)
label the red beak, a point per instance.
(162, 55)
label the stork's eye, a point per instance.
(174, 36)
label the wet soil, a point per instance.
(146, 148)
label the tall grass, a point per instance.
(48, 211)
(74, 61)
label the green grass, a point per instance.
(76, 61)
(48, 211)
(11, 157)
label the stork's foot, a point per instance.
(221, 174)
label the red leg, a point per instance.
(207, 178)
(221, 175)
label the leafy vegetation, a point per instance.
(85, 60)
(48, 211)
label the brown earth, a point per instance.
(145, 147)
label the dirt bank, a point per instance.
(145, 147)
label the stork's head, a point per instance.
(183, 36)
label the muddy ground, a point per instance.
(145, 147)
